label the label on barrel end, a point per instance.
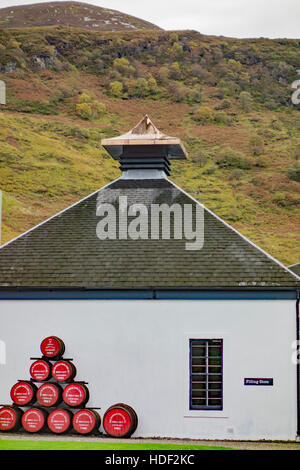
(84, 421)
(47, 395)
(117, 422)
(33, 420)
(40, 370)
(74, 395)
(8, 419)
(21, 393)
(61, 371)
(59, 421)
(50, 347)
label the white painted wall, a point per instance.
(137, 352)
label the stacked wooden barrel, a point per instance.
(51, 398)
(120, 420)
(56, 402)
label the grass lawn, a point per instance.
(70, 445)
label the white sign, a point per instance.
(2, 92)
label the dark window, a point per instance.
(206, 374)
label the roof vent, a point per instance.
(145, 148)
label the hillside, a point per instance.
(228, 99)
(74, 14)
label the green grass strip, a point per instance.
(71, 445)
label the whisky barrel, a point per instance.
(63, 371)
(86, 421)
(34, 420)
(60, 420)
(40, 370)
(52, 347)
(76, 395)
(120, 420)
(49, 394)
(10, 418)
(23, 393)
(133, 413)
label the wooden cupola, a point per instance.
(145, 148)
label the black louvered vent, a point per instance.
(145, 157)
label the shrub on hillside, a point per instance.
(65, 91)
(245, 101)
(116, 89)
(236, 175)
(225, 104)
(152, 84)
(178, 91)
(176, 51)
(228, 157)
(163, 75)
(293, 172)
(256, 144)
(295, 151)
(90, 111)
(124, 67)
(204, 115)
(210, 169)
(175, 72)
(221, 118)
(85, 98)
(142, 88)
(200, 159)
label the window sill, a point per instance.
(206, 414)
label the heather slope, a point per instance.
(74, 14)
(228, 99)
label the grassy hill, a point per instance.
(228, 99)
(75, 14)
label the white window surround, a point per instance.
(225, 412)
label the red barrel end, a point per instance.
(10, 418)
(86, 421)
(75, 395)
(23, 393)
(52, 347)
(60, 421)
(63, 371)
(34, 420)
(49, 394)
(40, 370)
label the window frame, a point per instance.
(205, 341)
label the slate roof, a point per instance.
(295, 268)
(65, 251)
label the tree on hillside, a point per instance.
(142, 88)
(256, 144)
(152, 84)
(204, 115)
(245, 99)
(163, 75)
(124, 67)
(116, 89)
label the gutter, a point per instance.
(148, 293)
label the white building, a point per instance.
(199, 342)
